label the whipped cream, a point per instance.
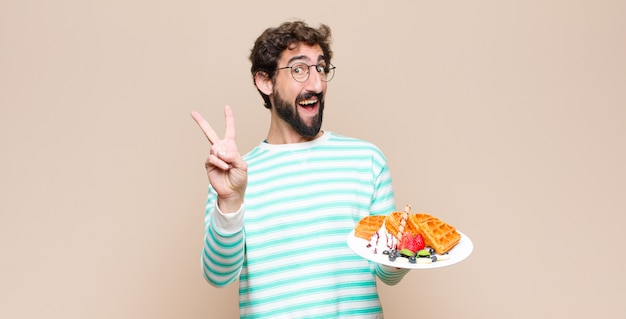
(381, 241)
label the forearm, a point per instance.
(224, 246)
(390, 275)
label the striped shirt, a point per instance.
(287, 243)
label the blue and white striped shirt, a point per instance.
(287, 243)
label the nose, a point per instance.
(314, 83)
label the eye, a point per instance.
(298, 69)
(321, 69)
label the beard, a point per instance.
(290, 114)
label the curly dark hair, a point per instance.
(273, 41)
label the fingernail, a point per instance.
(218, 150)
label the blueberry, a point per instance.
(385, 252)
(412, 259)
(433, 258)
(432, 251)
(392, 257)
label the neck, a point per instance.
(289, 137)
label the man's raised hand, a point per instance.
(226, 169)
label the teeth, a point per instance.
(307, 102)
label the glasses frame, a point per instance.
(331, 71)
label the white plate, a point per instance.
(458, 253)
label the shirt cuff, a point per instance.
(228, 224)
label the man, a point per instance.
(278, 218)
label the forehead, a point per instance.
(303, 53)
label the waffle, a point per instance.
(437, 234)
(368, 226)
(393, 223)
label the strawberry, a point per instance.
(420, 242)
(412, 243)
(404, 241)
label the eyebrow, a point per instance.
(304, 57)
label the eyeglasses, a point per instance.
(300, 71)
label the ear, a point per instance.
(263, 83)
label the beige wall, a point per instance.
(506, 119)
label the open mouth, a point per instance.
(309, 102)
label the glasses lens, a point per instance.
(329, 72)
(300, 72)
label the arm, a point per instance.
(383, 203)
(224, 239)
(390, 275)
(224, 245)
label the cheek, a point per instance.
(291, 93)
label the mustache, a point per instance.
(309, 95)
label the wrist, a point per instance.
(229, 205)
(228, 224)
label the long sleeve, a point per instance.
(383, 203)
(224, 244)
(390, 275)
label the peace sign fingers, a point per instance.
(226, 169)
(205, 127)
(224, 151)
(230, 123)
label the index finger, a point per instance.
(205, 127)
